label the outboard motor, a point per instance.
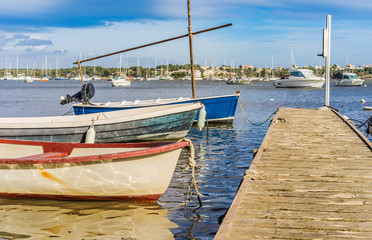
(86, 93)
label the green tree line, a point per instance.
(176, 71)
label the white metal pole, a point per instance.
(328, 61)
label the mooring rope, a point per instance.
(192, 164)
(246, 118)
(206, 116)
(362, 124)
(68, 112)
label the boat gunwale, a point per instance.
(85, 120)
(165, 101)
(64, 197)
(49, 147)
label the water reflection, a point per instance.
(83, 220)
(220, 164)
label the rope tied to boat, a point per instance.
(365, 124)
(192, 164)
(101, 114)
(68, 112)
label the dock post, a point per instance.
(327, 55)
(328, 60)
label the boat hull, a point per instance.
(349, 83)
(142, 176)
(157, 123)
(120, 83)
(239, 82)
(288, 83)
(220, 109)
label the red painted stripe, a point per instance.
(44, 155)
(152, 197)
(152, 148)
(68, 147)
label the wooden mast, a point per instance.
(190, 34)
(191, 51)
(81, 74)
(154, 43)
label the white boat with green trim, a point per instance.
(349, 80)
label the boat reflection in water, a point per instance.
(83, 220)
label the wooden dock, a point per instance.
(310, 179)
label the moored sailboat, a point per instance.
(120, 80)
(220, 111)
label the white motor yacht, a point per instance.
(300, 78)
(120, 81)
(349, 79)
(239, 80)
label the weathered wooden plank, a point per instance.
(310, 215)
(248, 232)
(306, 224)
(311, 178)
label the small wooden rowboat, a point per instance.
(142, 124)
(220, 109)
(81, 171)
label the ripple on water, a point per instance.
(220, 165)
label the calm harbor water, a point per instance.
(220, 164)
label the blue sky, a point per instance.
(262, 31)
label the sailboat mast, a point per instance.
(147, 70)
(94, 68)
(127, 66)
(138, 66)
(57, 75)
(120, 65)
(155, 67)
(46, 66)
(293, 62)
(191, 54)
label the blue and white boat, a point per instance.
(61, 78)
(165, 122)
(220, 109)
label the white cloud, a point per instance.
(253, 41)
(26, 6)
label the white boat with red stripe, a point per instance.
(83, 171)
